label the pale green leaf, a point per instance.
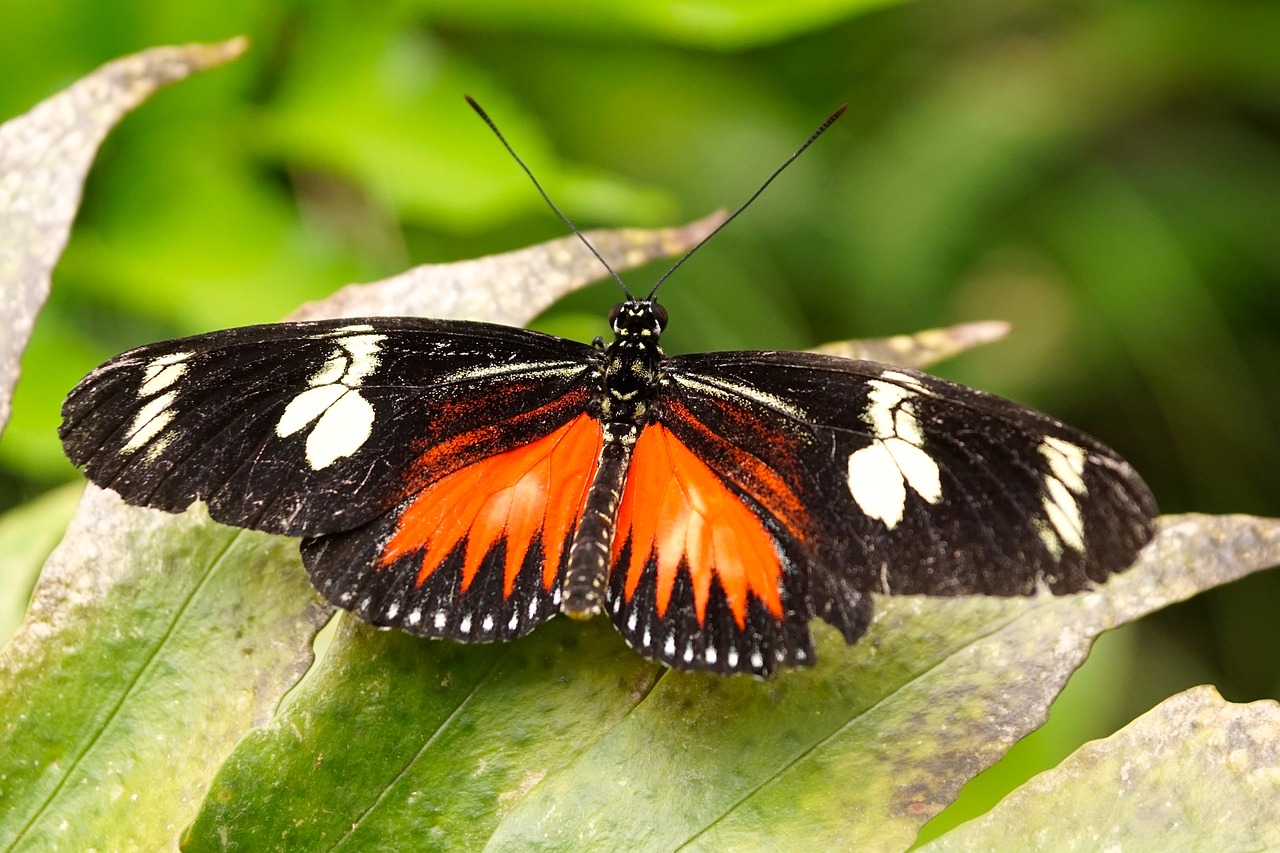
(1194, 773)
(567, 740)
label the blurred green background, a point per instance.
(1105, 175)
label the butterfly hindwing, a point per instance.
(476, 551)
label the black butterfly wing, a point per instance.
(306, 428)
(862, 478)
(335, 430)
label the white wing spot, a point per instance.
(688, 653)
(487, 624)
(163, 372)
(1062, 486)
(415, 616)
(340, 419)
(1066, 462)
(393, 610)
(465, 625)
(757, 659)
(904, 379)
(876, 484)
(533, 608)
(306, 407)
(1063, 512)
(631, 621)
(906, 426)
(710, 654)
(515, 620)
(331, 371)
(669, 648)
(341, 430)
(440, 619)
(150, 420)
(880, 473)
(884, 398)
(364, 357)
(733, 657)
(1050, 539)
(647, 638)
(171, 358)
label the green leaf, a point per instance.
(563, 740)
(390, 118)
(27, 535)
(152, 642)
(44, 156)
(1196, 773)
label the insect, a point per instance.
(471, 481)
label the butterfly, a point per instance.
(470, 481)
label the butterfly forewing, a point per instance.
(914, 485)
(313, 428)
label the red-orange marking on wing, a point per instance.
(675, 507)
(767, 486)
(511, 495)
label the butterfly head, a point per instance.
(638, 319)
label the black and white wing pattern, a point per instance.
(365, 437)
(311, 428)
(858, 478)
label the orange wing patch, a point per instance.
(678, 509)
(536, 488)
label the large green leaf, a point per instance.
(566, 740)
(153, 641)
(1194, 773)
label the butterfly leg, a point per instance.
(590, 552)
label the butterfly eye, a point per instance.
(613, 315)
(660, 314)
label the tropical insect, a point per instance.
(471, 481)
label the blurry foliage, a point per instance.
(1104, 175)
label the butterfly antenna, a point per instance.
(507, 145)
(812, 138)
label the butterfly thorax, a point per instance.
(632, 364)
